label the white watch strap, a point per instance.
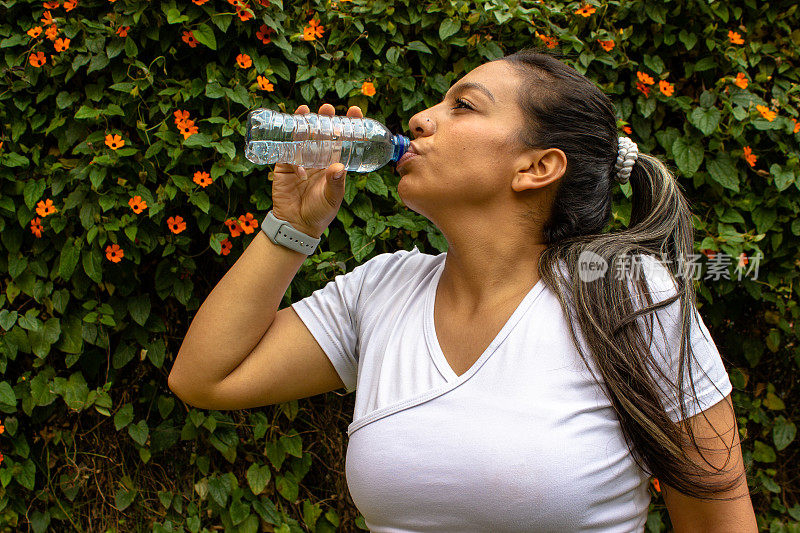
(283, 233)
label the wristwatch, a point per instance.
(283, 233)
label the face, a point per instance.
(468, 158)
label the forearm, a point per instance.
(235, 316)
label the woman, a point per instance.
(504, 385)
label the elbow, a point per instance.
(179, 389)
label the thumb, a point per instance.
(336, 176)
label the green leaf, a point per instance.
(257, 477)
(293, 444)
(139, 308)
(784, 177)
(654, 63)
(723, 170)
(124, 498)
(418, 46)
(123, 416)
(98, 62)
(449, 27)
(311, 513)
(139, 432)
(197, 140)
(87, 112)
(7, 395)
(70, 255)
(764, 218)
(218, 490)
(706, 120)
(688, 155)
(239, 511)
(763, 452)
(286, 486)
(204, 34)
(783, 433)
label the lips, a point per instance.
(410, 153)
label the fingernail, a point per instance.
(339, 175)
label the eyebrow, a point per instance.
(461, 87)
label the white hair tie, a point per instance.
(626, 157)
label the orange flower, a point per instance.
(313, 31)
(69, 5)
(711, 254)
(234, 227)
(35, 31)
(176, 224)
(766, 113)
(741, 81)
(796, 125)
(187, 128)
(551, 42)
(264, 84)
(265, 3)
(607, 45)
(735, 38)
(38, 59)
(51, 32)
(50, 5)
(368, 88)
(263, 33)
(248, 223)
(202, 178)
(36, 227)
(743, 260)
(2, 429)
(188, 38)
(44, 208)
(61, 44)
(666, 87)
(244, 61)
(227, 246)
(644, 78)
(137, 204)
(47, 18)
(122, 31)
(244, 12)
(199, 2)
(643, 88)
(749, 157)
(586, 11)
(114, 141)
(1, 457)
(657, 485)
(114, 253)
(627, 129)
(314, 23)
(180, 116)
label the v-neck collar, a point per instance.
(435, 348)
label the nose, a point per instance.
(419, 125)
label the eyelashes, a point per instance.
(461, 104)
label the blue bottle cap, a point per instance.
(401, 144)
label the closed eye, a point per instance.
(461, 104)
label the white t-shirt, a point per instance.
(523, 441)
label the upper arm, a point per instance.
(692, 514)
(286, 364)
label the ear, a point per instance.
(540, 168)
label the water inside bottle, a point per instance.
(356, 156)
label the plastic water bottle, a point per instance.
(317, 141)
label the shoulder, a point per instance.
(394, 262)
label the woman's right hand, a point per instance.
(309, 199)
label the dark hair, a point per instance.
(565, 110)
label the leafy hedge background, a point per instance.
(125, 197)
